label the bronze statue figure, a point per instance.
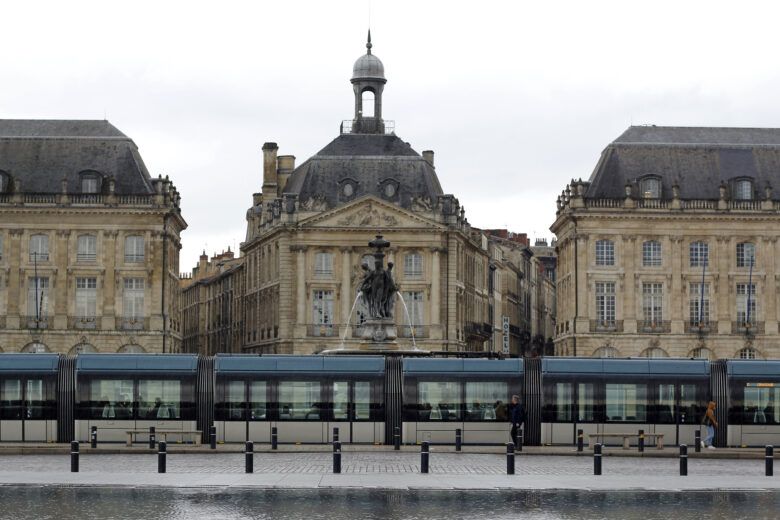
(378, 288)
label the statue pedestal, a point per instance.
(379, 330)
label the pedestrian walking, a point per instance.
(710, 423)
(516, 417)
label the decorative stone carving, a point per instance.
(368, 216)
(422, 203)
(316, 203)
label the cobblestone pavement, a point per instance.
(372, 463)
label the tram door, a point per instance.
(352, 412)
(22, 410)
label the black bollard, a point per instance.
(683, 460)
(579, 440)
(161, 462)
(274, 438)
(336, 457)
(213, 437)
(93, 438)
(770, 461)
(424, 457)
(335, 434)
(250, 457)
(458, 439)
(510, 458)
(641, 444)
(597, 459)
(697, 441)
(519, 445)
(396, 438)
(152, 437)
(74, 457)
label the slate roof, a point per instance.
(38, 153)
(697, 158)
(367, 159)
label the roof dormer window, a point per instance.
(90, 182)
(651, 188)
(3, 182)
(743, 189)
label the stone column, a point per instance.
(629, 284)
(676, 294)
(346, 286)
(435, 316)
(768, 264)
(108, 286)
(300, 290)
(722, 278)
(59, 285)
(582, 318)
(16, 282)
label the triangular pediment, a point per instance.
(369, 213)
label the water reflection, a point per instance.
(164, 503)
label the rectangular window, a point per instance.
(586, 402)
(691, 406)
(340, 401)
(323, 264)
(87, 248)
(86, 297)
(133, 298)
(746, 254)
(300, 401)
(746, 309)
(605, 303)
(761, 405)
(39, 248)
(322, 317)
(11, 399)
(605, 252)
(485, 401)
(665, 408)
(37, 297)
(699, 304)
(134, 249)
(89, 185)
(111, 399)
(159, 399)
(700, 254)
(563, 402)
(626, 402)
(234, 400)
(439, 400)
(258, 400)
(651, 254)
(652, 303)
(414, 305)
(362, 404)
(413, 265)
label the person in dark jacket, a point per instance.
(516, 417)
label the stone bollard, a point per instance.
(640, 445)
(424, 457)
(250, 457)
(161, 454)
(274, 438)
(597, 459)
(770, 461)
(152, 437)
(396, 438)
(683, 460)
(335, 434)
(579, 440)
(74, 457)
(93, 437)
(336, 457)
(458, 439)
(213, 437)
(697, 441)
(510, 458)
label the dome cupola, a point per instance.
(368, 75)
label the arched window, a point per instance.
(701, 353)
(605, 352)
(35, 348)
(83, 348)
(367, 98)
(654, 352)
(747, 353)
(651, 188)
(131, 349)
(743, 189)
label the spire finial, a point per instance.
(368, 44)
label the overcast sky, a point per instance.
(516, 98)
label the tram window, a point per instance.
(761, 405)
(486, 401)
(562, 402)
(665, 406)
(626, 402)
(11, 399)
(586, 402)
(362, 400)
(159, 399)
(111, 399)
(691, 408)
(234, 401)
(300, 401)
(258, 400)
(35, 403)
(439, 401)
(341, 401)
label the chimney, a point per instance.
(428, 156)
(285, 167)
(269, 164)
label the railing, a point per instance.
(317, 330)
(35, 322)
(78, 199)
(40, 198)
(653, 203)
(655, 327)
(603, 203)
(695, 327)
(606, 325)
(476, 329)
(136, 200)
(125, 323)
(134, 259)
(84, 322)
(367, 125)
(753, 327)
(39, 257)
(420, 331)
(751, 205)
(86, 257)
(87, 198)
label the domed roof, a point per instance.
(368, 66)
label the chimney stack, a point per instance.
(428, 156)
(269, 164)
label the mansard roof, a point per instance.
(697, 159)
(37, 154)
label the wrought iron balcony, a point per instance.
(84, 322)
(132, 323)
(36, 322)
(606, 325)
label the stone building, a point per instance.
(308, 233)
(212, 305)
(670, 248)
(89, 242)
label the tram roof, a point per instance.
(744, 367)
(675, 367)
(290, 364)
(29, 363)
(161, 364)
(463, 366)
